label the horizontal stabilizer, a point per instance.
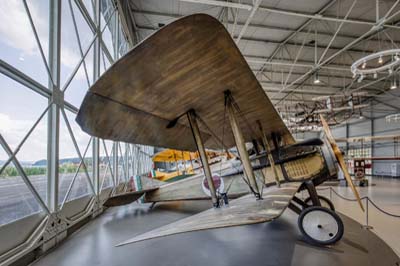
(245, 210)
(126, 198)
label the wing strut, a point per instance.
(203, 156)
(241, 146)
(269, 154)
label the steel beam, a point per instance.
(303, 63)
(318, 66)
(56, 101)
(16, 75)
(240, 24)
(24, 177)
(322, 17)
(302, 27)
(289, 12)
(249, 18)
(115, 164)
(96, 75)
(274, 42)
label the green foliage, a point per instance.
(66, 168)
(69, 168)
(10, 171)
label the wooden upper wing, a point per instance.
(187, 64)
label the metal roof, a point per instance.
(285, 42)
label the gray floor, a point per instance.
(385, 192)
(275, 243)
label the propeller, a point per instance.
(340, 159)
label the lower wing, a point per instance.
(242, 211)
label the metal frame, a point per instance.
(137, 158)
(281, 57)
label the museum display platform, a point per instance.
(275, 243)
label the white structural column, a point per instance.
(115, 164)
(56, 101)
(96, 74)
(241, 147)
(203, 156)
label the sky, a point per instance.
(19, 106)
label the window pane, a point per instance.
(71, 170)
(18, 46)
(16, 201)
(70, 50)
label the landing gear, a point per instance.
(325, 202)
(317, 221)
(152, 205)
(320, 225)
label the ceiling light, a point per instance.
(380, 60)
(316, 78)
(394, 84)
(364, 65)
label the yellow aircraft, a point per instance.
(173, 156)
(186, 163)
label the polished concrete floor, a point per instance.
(275, 243)
(385, 192)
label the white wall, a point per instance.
(380, 127)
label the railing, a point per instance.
(367, 201)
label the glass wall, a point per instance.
(51, 52)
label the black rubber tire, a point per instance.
(323, 200)
(317, 242)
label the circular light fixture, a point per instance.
(357, 68)
(393, 118)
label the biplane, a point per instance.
(188, 87)
(184, 163)
(171, 165)
(337, 108)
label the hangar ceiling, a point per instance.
(287, 42)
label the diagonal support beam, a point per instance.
(24, 177)
(299, 29)
(252, 13)
(387, 104)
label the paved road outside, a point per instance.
(16, 200)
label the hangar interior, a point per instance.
(338, 58)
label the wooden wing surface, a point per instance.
(242, 211)
(187, 64)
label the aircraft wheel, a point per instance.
(320, 225)
(325, 202)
